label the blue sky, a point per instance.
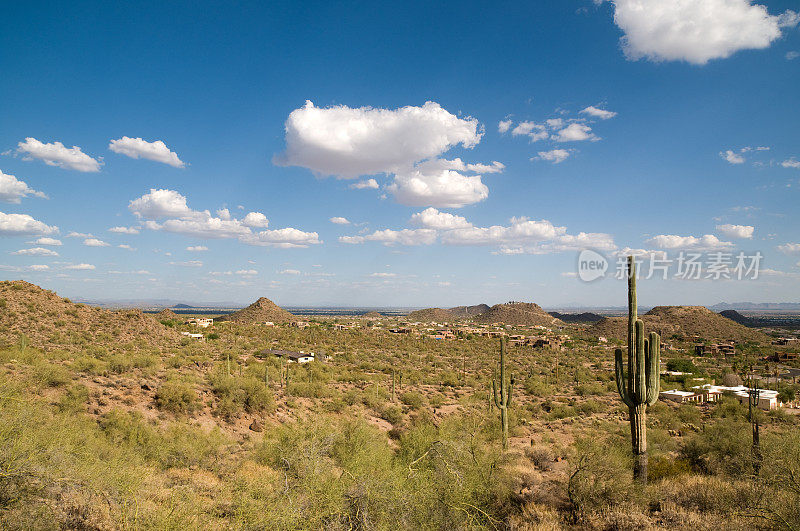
(551, 127)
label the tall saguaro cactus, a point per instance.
(753, 398)
(504, 400)
(639, 388)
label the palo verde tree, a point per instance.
(504, 400)
(639, 386)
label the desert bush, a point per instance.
(413, 399)
(51, 374)
(176, 397)
(723, 447)
(541, 457)
(587, 389)
(74, 399)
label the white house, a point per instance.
(767, 398)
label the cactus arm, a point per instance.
(653, 369)
(620, 377)
(639, 369)
(494, 392)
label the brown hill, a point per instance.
(167, 314)
(683, 321)
(49, 320)
(260, 311)
(463, 312)
(373, 315)
(431, 315)
(520, 314)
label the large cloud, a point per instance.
(156, 205)
(23, 225)
(349, 142)
(56, 154)
(699, 243)
(695, 31)
(406, 142)
(12, 190)
(136, 148)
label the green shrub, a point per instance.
(176, 397)
(413, 399)
(51, 374)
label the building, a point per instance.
(301, 324)
(190, 335)
(715, 349)
(767, 399)
(787, 341)
(202, 323)
(675, 395)
(289, 355)
(785, 356)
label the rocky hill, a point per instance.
(519, 314)
(431, 315)
(683, 321)
(465, 312)
(49, 320)
(260, 311)
(585, 317)
(167, 314)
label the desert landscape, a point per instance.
(124, 419)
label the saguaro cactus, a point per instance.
(641, 387)
(754, 395)
(504, 400)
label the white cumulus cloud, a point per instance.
(732, 156)
(36, 251)
(349, 142)
(789, 248)
(575, 132)
(430, 218)
(791, 163)
(94, 242)
(23, 225)
(80, 267)
(555, 155)
(695, 31)
(603, 114)
(136, 148)
(56, 154)
(255, 220)
(672, 241)
(338, 220)
(124, 230)
(47, 241)
(197, 248)
(736, 231)
(12, 190)
(365, 184)
(503, 126)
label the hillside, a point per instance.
(166, 313)
(585, 317)
(49, 320)
(260, 311)
(684, 321)
(464, 312)
(520, 314)
(437, 315)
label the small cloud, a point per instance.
(555, 156)
(197, 248)
(791, 163)
(80, 267)
(56, 154)
(366, 184)
(189, 263)
(736, 231)
(126, 247)
(247, 272)
(47, 241)
(80, 235)
(35, 251)
(383, 275)
(136, 148)
(289, 272)
(598, 113)
(124, 230)
(94, 242)
(339, 220)
(732, 157)
(792, 55)
(503, 126)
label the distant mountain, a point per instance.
(776, 321)
(518, 313)
(683, 321)
(182, 306)
(795, 306)
(585, 317)
(260, 311)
